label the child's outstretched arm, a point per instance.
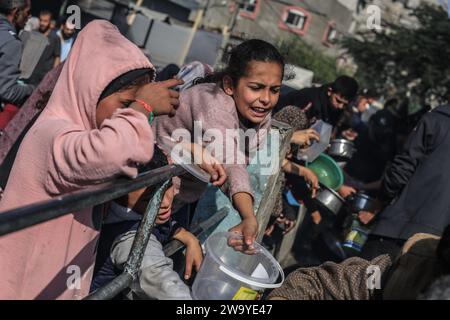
(243, 202)
(309, 176)
(194, 254)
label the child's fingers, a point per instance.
(314, 192)
(249, 237)
(174, 102)
(235, 242)
(315, 137)
(222, 176)
(188, 271)
(170, 83)
(198, 263)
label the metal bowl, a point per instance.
(361, 202)
(341, 148)
(329, 199)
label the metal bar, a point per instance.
(112, 289)
(140, 242)
(24, 217)
(267, 204)
(123, 281)
(145, 230)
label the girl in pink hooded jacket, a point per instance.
(92, 130)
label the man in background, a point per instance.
(326, 102)
(67, 37)
(13, 92)
(50, 57)
(13, 17)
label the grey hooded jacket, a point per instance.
(11, 89)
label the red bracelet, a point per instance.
(146, 107)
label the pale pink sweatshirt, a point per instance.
(209, 105)
(64, 151)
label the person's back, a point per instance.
(375, 147)
(50, 56)
(419, 181)
(13, 16)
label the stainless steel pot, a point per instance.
(361, 202)
(329, 199)
(341, 148)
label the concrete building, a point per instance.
(318, 23)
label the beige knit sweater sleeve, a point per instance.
(331, 281)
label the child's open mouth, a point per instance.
(165, 216)
(259, 112)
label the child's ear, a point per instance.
(228, 85)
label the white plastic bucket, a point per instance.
(227, 274)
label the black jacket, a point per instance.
(318, 97)
(11, 90)
(418, 181)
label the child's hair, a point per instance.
(241, 56)
(346, 86)
(128, 80)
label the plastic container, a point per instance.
(356, 238)
(178, 153)
(227, 274)
(311, 153)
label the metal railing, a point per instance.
(24, 217)
(28, 216)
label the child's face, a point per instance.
(138, 200)
(165, 209)
(120, 99)
(107, 106)
(258, 91)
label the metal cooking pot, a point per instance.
(329, 199)
(341, 148)
(361, 202)
(329, 246)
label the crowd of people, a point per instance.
(80, 109)
(29, 51)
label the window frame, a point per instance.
(325, 38)
(290, 27)
(249, 14)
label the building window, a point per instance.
(249, 6)
(330, 35)
(295, 19)
(249, 9)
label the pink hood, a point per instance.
(63, 152)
